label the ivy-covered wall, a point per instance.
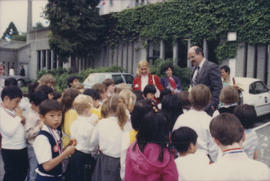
(195, 20)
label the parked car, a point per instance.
(22, 81)
(118, 77)
(254, 92)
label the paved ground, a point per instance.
(262, 128)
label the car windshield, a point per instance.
(129, 78)
(117, 79)
(95, 78)
(257, 88)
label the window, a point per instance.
(38, 60)
(129, 79)
(257, 88)
(117, 79)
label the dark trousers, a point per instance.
(15, 164)
(80, 167)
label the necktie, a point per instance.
(195, 76)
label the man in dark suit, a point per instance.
(207, 73)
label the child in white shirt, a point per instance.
(48, 145)
(191, 163)
(247, 115)
(81, 164)
(229, 135)
(32, 127)
(14, 150)
(197, 119)
(107, 137)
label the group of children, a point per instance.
(110, 133)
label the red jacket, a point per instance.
(137, 82)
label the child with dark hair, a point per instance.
(228, 133)
(74, 82)
(172, 108)
(164, 93)
(197, 119)
(138, 94)
(149, 92)
(149, 157)
(14, 150)
(32, 127)
(46, 90)
(101, 89)
(57, 96)
(247, 115)
(48, 145)
(141, 108)
(11, 81)
(191, 162)
(32, 87)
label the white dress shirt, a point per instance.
(144, 81)
(12, 130)
(107, 136)
(81, 130)
(192, 166)
(199, 121)
(238, 166)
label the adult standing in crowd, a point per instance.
(225, 74)
(22, 71)
(145, 77)
(207, 73)
(170, 81)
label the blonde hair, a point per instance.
(122, 86)
(199, 96)
(229, 95)
(82, 102)
(105, 109)
(142, 63)
(129, 98)
(46, 79)
(116, 106)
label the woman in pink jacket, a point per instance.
(149, 158)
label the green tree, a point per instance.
(76, 28)
(38, 26)
(10, 31)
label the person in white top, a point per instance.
(197, 119)
(14, 151)
(129, 99)
(32, 127)
(228, 133)
(107, 137)
(48, 144)
(82, 163)
(191, 163)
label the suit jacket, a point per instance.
(209, 75)
(137, 82)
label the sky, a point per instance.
(16, 11)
